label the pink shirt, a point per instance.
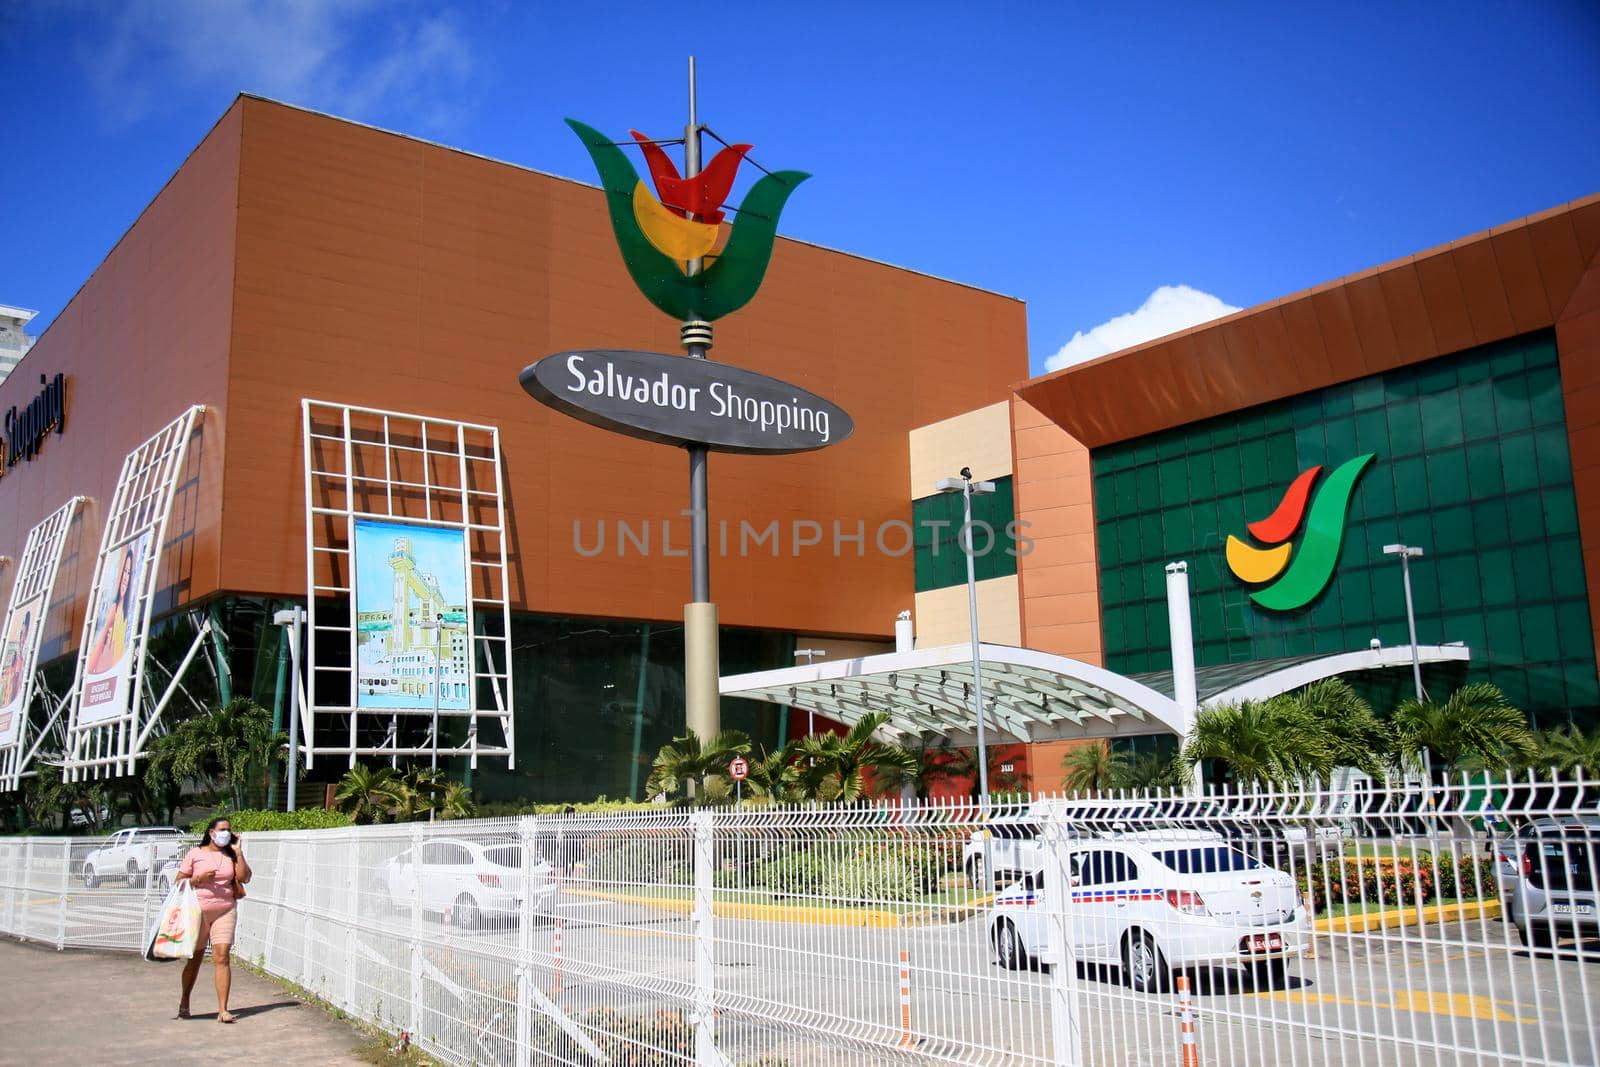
(216, 895)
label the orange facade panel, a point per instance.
(382, 271)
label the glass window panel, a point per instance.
(1504, 635)
(1253, 461)
(1170, 446)
(1495, 576)
(1372, 433)
(1447, 477)
(1458, 583)
(1405, 428)
(1583, 690)
(1149, 487)
(1202, 475)
(1540, 351)
(1555, 465)
(1544, 397)
(1505, 359)
(1337, 401)
(1228, 479)
(1441, 420)
(1574, 629)
(1566, 566)
(1367, 393)
(1489, 523)
(1511, 404)
(1532, 571)
(1484, 476)
(1527, 517)
(1341, 441)
(1478, 411)
(1277, 418)
(1452, 530)
(1410, 484)
(1519, 462)
(1310, 446)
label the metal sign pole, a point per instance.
(703, 711)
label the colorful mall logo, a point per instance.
(681, 253)
(1295, 584)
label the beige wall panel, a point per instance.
(978, 439)
(942, 618)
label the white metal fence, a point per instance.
(1381, 927)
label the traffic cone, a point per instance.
(906, 1040)
(1311, 927)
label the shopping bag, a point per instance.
(176, 931)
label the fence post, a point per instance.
(24, 888)
(414, 1018)
(149, 884)
(704, 1014)
(1066, 1038)
(353, 897)
(66, 884)
(527, 832)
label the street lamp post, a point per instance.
(292, 618)
(1407, 553)
(967, 488)
(810, 654)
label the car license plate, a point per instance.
(1572, 909)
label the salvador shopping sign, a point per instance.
(692, 265)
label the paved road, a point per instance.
(106, 1008)
(1396, 997)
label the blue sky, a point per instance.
(1080, 157)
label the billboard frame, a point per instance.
(141, 506)
(332, 435)
(35, 583)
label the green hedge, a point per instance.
(503, 809)
(247, 822)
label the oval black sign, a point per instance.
(676, 400)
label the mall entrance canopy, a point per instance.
(1036, 696)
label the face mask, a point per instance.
(220, 838)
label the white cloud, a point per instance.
(1167, 310)
(357, 58)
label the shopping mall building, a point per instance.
(298, 257)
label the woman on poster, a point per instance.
(110, 639)
(12, 658)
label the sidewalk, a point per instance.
(113, 1008)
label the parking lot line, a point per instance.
(1458, 1005)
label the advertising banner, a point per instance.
(115, 617)
(19, 643)
(414, 643)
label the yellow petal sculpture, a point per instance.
(675, 237)
(1256, 564)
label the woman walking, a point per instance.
(216, 869)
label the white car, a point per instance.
(468, 882)
(133, 854)
(1017, 851)
(1154, 906)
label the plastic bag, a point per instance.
(176, 931)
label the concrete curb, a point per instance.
(1464, 911)
(805, 914)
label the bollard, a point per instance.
(1189, 1056)
(557, 988)
(906, 1040)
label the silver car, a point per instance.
(1555, 893)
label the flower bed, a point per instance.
(1389, 881)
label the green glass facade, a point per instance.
(937, 521)
(1471, 464)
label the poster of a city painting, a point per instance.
(411, 615)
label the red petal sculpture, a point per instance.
(1291, 509)
(702, 196)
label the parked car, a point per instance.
(1280, 842)
(1508, 850)
(1153, 906)
(167, 876)
(1017, 849)
(132, 854)
(471, 882)
(1556, 892)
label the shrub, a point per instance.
(641, 860)
(503, 809)
(246, 822)
(1391, 882)
(859, 869)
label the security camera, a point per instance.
(1374, 644)
(966, 472)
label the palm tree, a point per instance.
(834, 768)
(1270, 742)
(1093, 768)
(1567, 750)
(1356, 735)
(368, 795)
(456, 802)
(421, 791)
(1152, 771)
(1475, 725)
(230, 748)
(931, 758)
(686, 764)
(775, 776)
